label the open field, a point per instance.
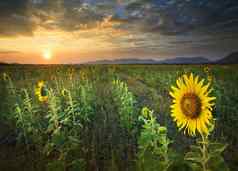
(81, 126)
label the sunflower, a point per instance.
(192, 105)
(41, 91)
(206, 69)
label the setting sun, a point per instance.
(47, 54)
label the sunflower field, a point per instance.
(119, 118)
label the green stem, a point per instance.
(20, 115)
(72, 106)
(204, 153)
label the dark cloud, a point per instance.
(16, 25)
(86, 13)
(172, 17)
(12, 6)
(184, 16)
(169, 17)
(15, 18)
(80, 17)
(186, 23)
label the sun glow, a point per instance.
(47, 54)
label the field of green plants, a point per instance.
(111, 118)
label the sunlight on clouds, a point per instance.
(84, 41)
(81, 29)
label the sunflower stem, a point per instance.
(204, 153)
(72, 106)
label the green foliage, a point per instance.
(207, 156)
(10, 85)
(27, 120)
(153, 144)
(67, 119)
(10, 92)
(59, 130)
(125, 102)
(94, 124)
(78, 165)
(55, 166)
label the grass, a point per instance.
(105, 144)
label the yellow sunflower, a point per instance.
(41, 91)
(192, 105)
(206, 69)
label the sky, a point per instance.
(78, 31)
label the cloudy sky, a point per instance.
(76, 31)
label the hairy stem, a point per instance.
(204, 153)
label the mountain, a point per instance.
(3, 63)
(230, 59)
(125, 61)
(183, 60)
(178, 60)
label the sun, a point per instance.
(47, 54)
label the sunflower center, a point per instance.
(191, 105)
(43, 91)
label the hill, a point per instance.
(177, 60)
(183, 60)
(230, 59)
